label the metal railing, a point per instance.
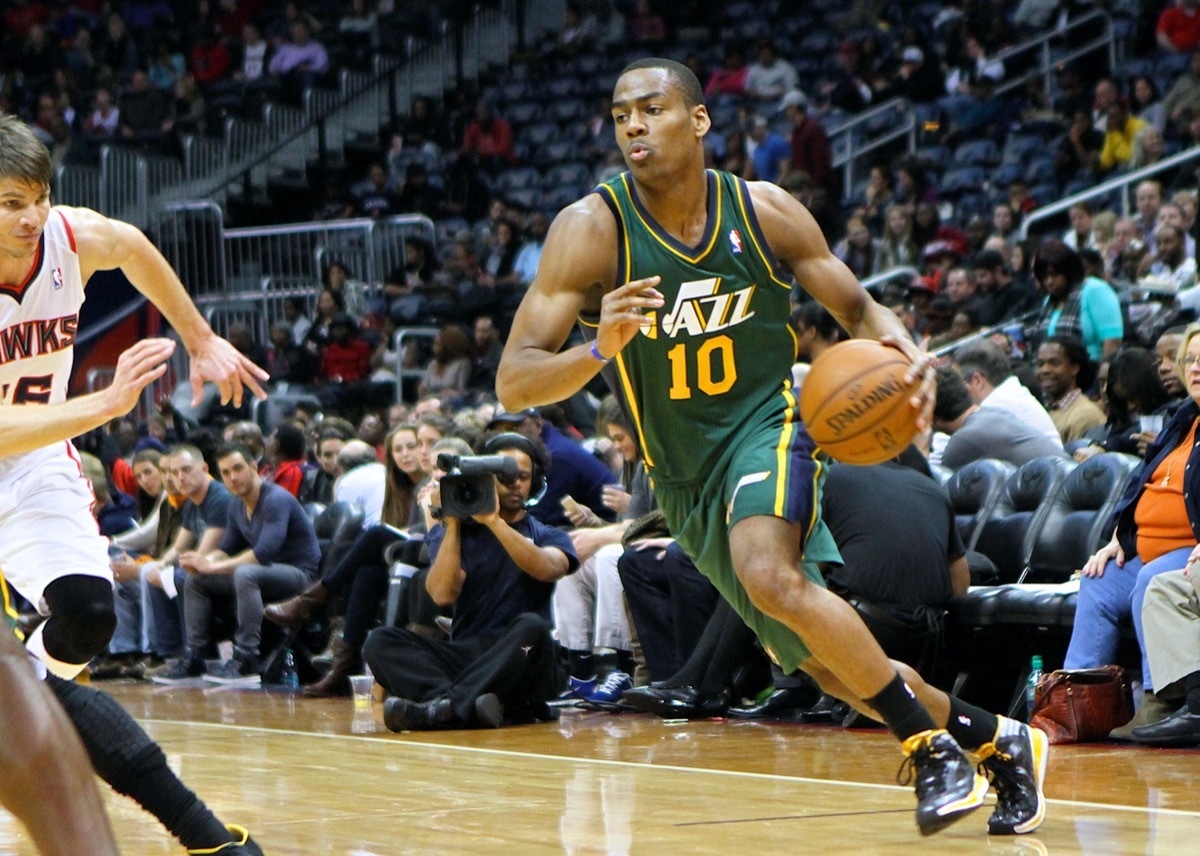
(869, 131)
(901, 271)
(405, 338)
(129, 180)
(1005, 327)
(1050, 57)
(251, 274)
(885, 123)
(1120, 183)
(131, 185)
(77, 184)
(365, 102)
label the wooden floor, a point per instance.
(312, 777)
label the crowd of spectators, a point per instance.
(140, 73)
(1080, 345)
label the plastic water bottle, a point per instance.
(1035, 675)
(290, 679)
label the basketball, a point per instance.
(855, 403)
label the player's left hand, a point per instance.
(220, 362)
(923, 369)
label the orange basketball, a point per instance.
(855, 403)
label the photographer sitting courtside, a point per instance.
(497, 569)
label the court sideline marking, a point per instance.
(742, 774)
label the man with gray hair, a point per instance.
(363, 480)
(987, 371)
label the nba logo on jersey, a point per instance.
(735, 240)
(57, 276)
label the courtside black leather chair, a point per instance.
(1006, 538)
(1070, 527)
(975, 491)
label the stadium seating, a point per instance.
(975, 492)
(1007, 536)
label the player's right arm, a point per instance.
(578, 264)
(28, 426)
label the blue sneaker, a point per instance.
(614, 687)
(580, 688)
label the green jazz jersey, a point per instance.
(8, 615)
(718, 354)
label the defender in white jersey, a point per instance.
(50, 549)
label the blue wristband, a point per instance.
(596, 353)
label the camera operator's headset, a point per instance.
(537, 455)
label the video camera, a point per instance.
(468, 488)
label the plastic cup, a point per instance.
(1151, 423)
(360, 687)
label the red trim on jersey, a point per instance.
(18, 291)
(70, 231)
(73, 454)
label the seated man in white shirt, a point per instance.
(1172, 267)
(987, 371)
(362, 482)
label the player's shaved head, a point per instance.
(681, 76)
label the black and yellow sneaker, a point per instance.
(948, 788)
(241, 845)
(1015, 761)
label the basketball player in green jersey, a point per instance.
(45, 777)
(682, 275)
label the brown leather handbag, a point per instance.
(1082, 705)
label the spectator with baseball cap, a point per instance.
(574, 472)
(917, 80)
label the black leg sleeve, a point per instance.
(134, 765)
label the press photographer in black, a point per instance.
(497, 569)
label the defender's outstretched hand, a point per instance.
(223, 364)
(136, 368)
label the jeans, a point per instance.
(165, 615)
(133, 623)
(248, 587)
(1104, 602)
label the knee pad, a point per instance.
(82, 617)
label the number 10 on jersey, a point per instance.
(714, 373)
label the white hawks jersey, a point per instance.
(38, 322)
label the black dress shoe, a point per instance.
(827, 709)
(401, 714)
(782, 703)
(676, 702)
(1181, 728)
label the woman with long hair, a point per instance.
(404, 473)
(860, 252)
(450, 367)
(330, 303)
(1132, 389)
(899, 248)
(362, 573)
(1074, 306)
(1145, 103)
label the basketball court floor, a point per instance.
(317, 777)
